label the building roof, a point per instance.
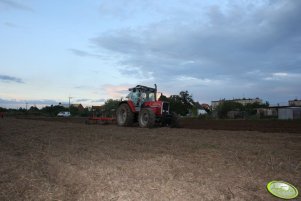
(97, 107)
(77, 105)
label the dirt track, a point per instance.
(43, 160)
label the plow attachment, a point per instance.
(101, 120)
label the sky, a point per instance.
(94, 50)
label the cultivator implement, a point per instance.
(100, 120)
(101, 116)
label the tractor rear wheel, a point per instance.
(124, 115)
(146, 118)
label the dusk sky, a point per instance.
(95, 50)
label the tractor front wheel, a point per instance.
(124, 115)
(146, 118)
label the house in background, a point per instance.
(199, 109)
(294, 102)
(289, 113)
(243, 101)
(280, 112)
(79, 107)
(270, 112)
(292, 111)
(235, 114)
(246, 101)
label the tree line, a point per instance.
(238, 110)
(182, 104)
(49, 111)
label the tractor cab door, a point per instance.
(136, 96)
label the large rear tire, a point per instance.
(124, 115)
(146, 118)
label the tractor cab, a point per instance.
(141, 94)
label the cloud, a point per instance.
(283, 76)
(233, 45)
(82, 100)
(212, 44)
(11, 25)
(98, 100)
(123, 9)
(79, 52)
(14, 103)
(7, 78)
(15, 5)
(116, 91)
(88, 100)
(82, 53)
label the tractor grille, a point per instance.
(165, 107)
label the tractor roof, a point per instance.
(143, 88)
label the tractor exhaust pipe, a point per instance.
(155, 92)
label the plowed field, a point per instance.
(64, 160)
(285, 126)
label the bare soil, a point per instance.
(68, 160)
(286, 126)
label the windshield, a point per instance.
(139, 97)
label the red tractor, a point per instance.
(142, 106)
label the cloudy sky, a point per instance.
(94, 50)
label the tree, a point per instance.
(186, 99)
(177, 106)
(182, 103)
(109, 108)
(85, 112)
(33, 110)
(227, 106)
(3, 109)
(74, 111)
(250, 108)
(111, 104)
(163, 98)
(53, 110)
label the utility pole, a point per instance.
(69, 101)
(26, 105)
